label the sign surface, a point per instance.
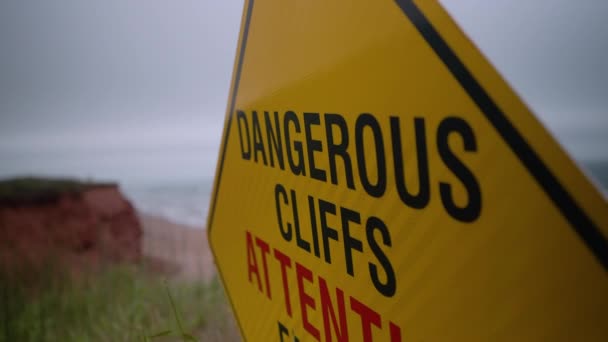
(379, 181)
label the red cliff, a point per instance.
(83, 224)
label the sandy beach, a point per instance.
(181, 249)
(184, 251)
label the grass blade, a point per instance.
(177, 318)
(160, 334)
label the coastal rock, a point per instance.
(85, 225)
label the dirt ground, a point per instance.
(181, 248)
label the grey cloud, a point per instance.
(83, 64)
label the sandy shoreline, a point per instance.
(185, 248)
(181, 248)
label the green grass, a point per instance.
(120, 303)
(31, 190)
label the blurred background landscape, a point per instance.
(116, 107)
(133, 93)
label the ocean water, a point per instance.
(185, 202)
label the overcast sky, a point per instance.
(554, 53)
(151, 78)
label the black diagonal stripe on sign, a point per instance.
(584, 227)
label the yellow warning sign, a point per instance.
(379, 181)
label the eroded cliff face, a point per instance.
(83, 228)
